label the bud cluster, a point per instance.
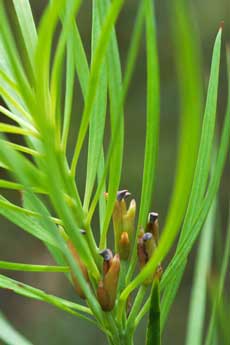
(124, 242)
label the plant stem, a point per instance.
(135, 308)
(123, 339)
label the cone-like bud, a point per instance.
(108, 257)
(78, 260)
(82, 267)
(107, 288)
(149, 246)
(124, 246)
(123, 222)
(118, 213)
(129, 218)
(141, 253)
(147, 243)
(145, 248)
(103, 297)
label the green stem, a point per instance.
(135, 308)
(123, 339)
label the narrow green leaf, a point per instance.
(97, 120)
(170, 294)
(29, 204)
(27, 222)
(169, 233)
(13, 57)
(31, 292)
(72, 8)
(80, 59)
(130, 64)
(198, 296)
(42, 60)
(180, 258)
(152, 123)
(24, 149)
(23, 123)
(100, 179)
(188, 65)
(14, 104)
(215, 178)
(94, 76)
(10, 335)
(15, 266)
(27, 25)
(11, 158)
(152, 115)
(153, 331)
(116, 112)
(219, 293)
(10, 185)
(16, 130)
(135, 308)
(69, 87)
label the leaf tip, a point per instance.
(221, 26)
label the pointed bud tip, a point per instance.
(132, 208)
(153, 216)
(132, 204)
(106, 254)
(124, 237)
(122, 194)
(116, 261)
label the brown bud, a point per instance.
(149, 244)
(82, 267)
(145, 248)
(108, 256)
(107, 289)
(142, 255)
(103, 297)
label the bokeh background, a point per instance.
(43, 324)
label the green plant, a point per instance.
(32, 89)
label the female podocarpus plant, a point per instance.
(117, 284)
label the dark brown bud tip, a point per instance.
(106, 254)
(147, 236)
(153, 216)
(121, 194)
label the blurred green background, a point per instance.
(43, 324)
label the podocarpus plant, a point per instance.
(31, 86)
